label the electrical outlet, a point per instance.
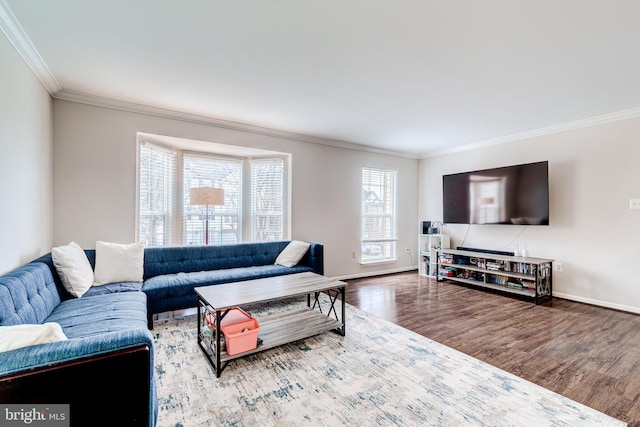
(557, 266)
(353, 254)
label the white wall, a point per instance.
(593, 173)
(88, 164)
(26, 191)
(95, 170)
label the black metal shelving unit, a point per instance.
(526, 277)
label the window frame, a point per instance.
(387, 242)
(282, 213)
(214, 211)
(170, 210)
(246, 220)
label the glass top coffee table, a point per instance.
(275, 329)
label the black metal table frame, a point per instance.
(203, 308)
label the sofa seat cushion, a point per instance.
(113, 288)
(181, 284)
(92, 316)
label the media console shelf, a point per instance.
(523, 276)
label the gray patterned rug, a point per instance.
(379, 374)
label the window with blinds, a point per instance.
(267, 199)
(225, 222)
(378, 239)
(255, 197)
(156, 194)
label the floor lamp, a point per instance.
(206, 196)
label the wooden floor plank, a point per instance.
(586, 353)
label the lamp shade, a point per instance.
(206, 196)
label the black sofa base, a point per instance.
(92, 387)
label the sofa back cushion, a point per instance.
(187, 259)
(28, 294)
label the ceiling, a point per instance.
(416, 77)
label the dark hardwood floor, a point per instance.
(586, 353)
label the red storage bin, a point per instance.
(240, 331)
(235, 315)
(241, 337)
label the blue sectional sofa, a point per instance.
(171, 274)
(106, 365)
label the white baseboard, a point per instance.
(599, 303)
(375, 273)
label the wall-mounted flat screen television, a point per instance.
(507, 195)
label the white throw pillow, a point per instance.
(293, 253)
(17, 336)
(117, 263)
(73, 268)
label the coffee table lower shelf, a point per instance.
(277, 330)
(325, 311)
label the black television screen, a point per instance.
(507, 195)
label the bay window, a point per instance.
(255, 197)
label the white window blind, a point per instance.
(267, 199)
(378, 240)
(254, 187)
(225, 222)
(156, 193)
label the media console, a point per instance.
(523, 276)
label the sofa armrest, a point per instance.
(37, 356)
(108, 375)
(110, 389)
(315, 258)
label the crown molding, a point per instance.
(19, 39)
(131, 107)
(549, 130)
(98, 101)
(21, 42)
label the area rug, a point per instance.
(379, 374)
